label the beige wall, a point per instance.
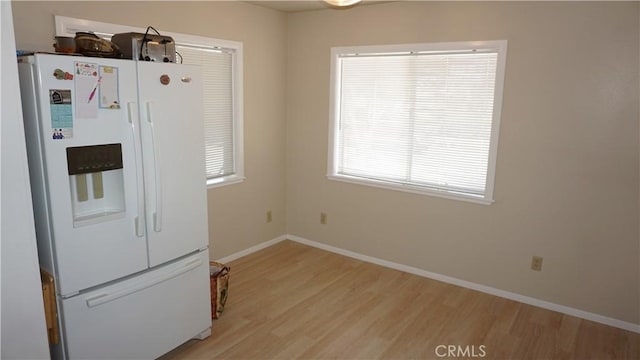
(567, 170)
(236, 212)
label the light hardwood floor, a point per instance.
(291, 301)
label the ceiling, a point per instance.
(303, 5)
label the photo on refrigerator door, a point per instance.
(61, 114)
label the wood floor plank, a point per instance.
(291, 301)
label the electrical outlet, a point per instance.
(323, 218)
(536, 263)
(269, 216)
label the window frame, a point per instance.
(68, 26)
(499, 46)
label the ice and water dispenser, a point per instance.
(97, 183)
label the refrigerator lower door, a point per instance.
(142, 317)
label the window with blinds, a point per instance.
(421, 118)
(217, 71)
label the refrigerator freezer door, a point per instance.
(173, 152)
(136, 318)
(88, 219)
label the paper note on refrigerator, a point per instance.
(108, 76)
(87, 83)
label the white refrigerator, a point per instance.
(116, 161)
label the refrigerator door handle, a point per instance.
(157, 214)
(138, 220)
(104, 298)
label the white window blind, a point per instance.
(218, 106)
(419, 121)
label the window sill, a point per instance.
(411, 189)
(224, 181)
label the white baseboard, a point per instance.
(447, 279)
(252, 249)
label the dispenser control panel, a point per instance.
(94, 158)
